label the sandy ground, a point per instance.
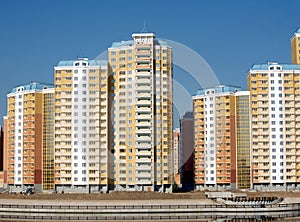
(137, 196)
(110, 196)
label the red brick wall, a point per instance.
(5, 179)
(233, 150)
(38, 141)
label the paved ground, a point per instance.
(110, 202)
(133, 198)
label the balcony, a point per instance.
(144, 94)
(143, 174)
(143, 59)
(143, 138)
(143, 102)
(144, 86)
(141, 161)
(141, 145)
(141, 80)
(143, 153)
(143, 115)
(143, 52)
(145, 123)
(142, 108)
(143, 66)
(143, 167)
(144, 130)
(143, 46)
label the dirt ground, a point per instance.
(135, 195)
(104, 196)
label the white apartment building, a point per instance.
(81, 153)
(275, 105)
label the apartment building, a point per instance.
(1, 147)
(176, 143)
(222, 138)
(1, 156)
(140, 87)
(295, 47)
(275, 122)
(27, 149)
(187, 151)
(81, 126)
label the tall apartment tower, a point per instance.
(222, 138)
(28, 138)
(81, 156)
(295, 47)
(141, 113)
(187, 151)
(275, 106)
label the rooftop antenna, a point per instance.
(144, 30)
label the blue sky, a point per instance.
(229, 35)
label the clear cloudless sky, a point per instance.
(230, 35)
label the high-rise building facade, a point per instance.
(81, 125)
(222, 138)
(1, 147)
(295, 47)
(275, 106)
(25, 146)
(48, 138)
(141, 113)
(176, 143)
(1, 155)
(187, 151)
(5, 151)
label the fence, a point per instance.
(69, 212)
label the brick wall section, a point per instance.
(38, 141)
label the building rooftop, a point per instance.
(32, 86)
(298, 31)
(218, 89)
(90, 62)
(143, 34)
(131, 43)
(188, 115)
(122, 44)
(283, 66)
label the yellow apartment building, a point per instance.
(30, 117)
(222, 138)
(295, 47)
(275, 122)
(140, 87)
